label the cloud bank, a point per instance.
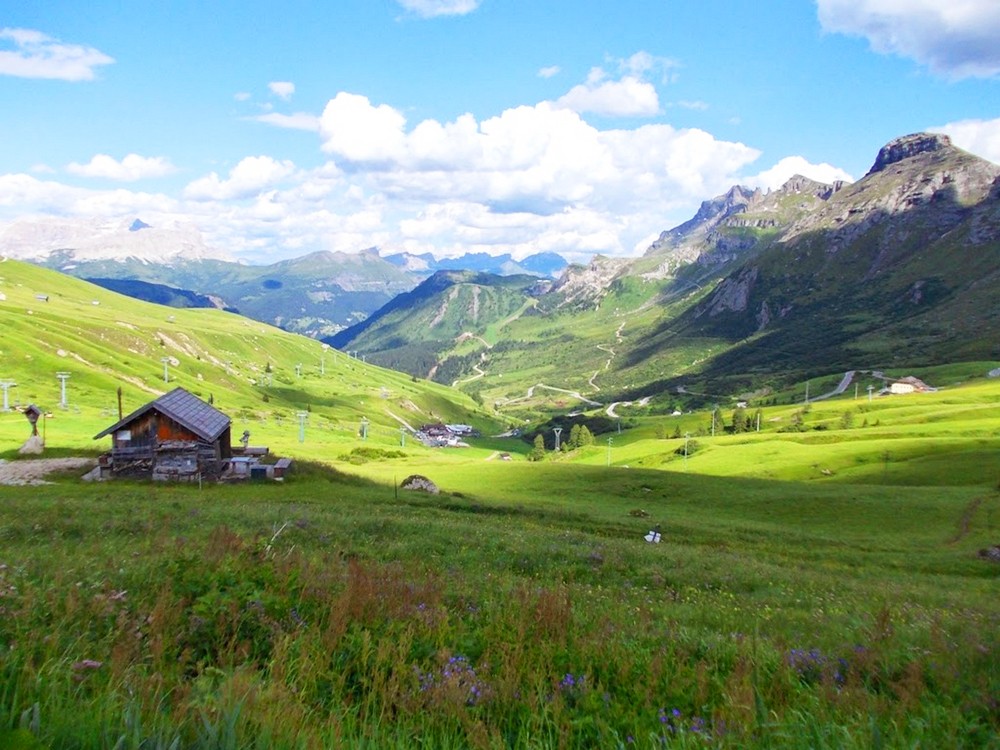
(955, 39)
(529, 179)
(37, 55)
(131, 168)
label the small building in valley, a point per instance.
(909, 384)
(175, 437)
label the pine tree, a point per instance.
(739, 419)
(538, 452)
(574, 436)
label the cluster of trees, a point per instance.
(579, 437)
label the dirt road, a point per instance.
(34, 470)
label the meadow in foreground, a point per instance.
(328, 612)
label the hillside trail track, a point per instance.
(34, 470)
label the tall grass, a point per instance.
(323, 613)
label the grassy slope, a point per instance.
(324, 612)
(305, 613)
(120, 342)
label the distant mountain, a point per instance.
(445, 317)
(541, 264)
(898, 269)
(316, 295)
(54, 241)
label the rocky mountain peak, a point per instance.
(908, 146)
(798, 184)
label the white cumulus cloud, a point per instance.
(296, 121)
(282, 89)
(629, 97)
(541, 175)
(37, 55)
(956, 39)
(131, 168)
(435, 8)
(358, 132)
(250, 177)
(779, 174)
(980, 137)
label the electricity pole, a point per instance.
(558, 432)
(166, 373)
(303, 416)
(6, 385)
(63, 377)
(609, 451)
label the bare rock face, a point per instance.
(587, 285)
(732, 294)
(419, 483)
(909, 145)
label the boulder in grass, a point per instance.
(33, 446)
(419, 483)
(991, 553)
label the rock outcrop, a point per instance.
(419, 483)
(908, 146)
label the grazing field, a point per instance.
(521, 607)
(819, 582)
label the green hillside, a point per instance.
(444, 326)
(262, 376)
(316, 294)
(823, 577)
(757, 292)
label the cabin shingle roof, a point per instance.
(203, 419)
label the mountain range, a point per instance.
(758, 288)
(900, 268)
(316, 294)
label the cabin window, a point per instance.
(123, 435)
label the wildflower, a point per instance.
(456, 677)
(87, 664)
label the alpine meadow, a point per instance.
(461, 374)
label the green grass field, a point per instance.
(519, 608)
(815, 587)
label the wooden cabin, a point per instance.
(176, 437)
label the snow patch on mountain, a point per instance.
(36, 239)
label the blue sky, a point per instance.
(452, 126)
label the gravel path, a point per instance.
(34, 470)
